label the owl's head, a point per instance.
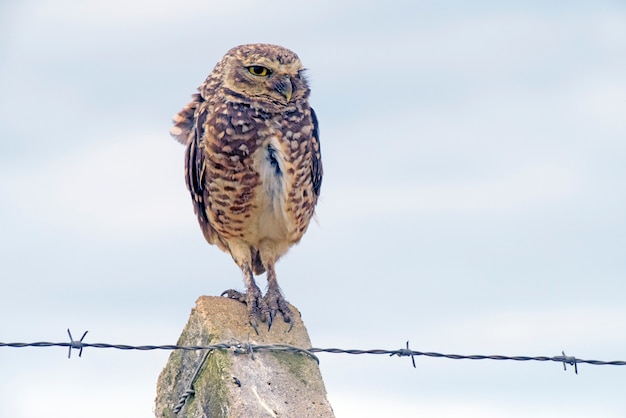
(263, 73)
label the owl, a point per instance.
(253, 165)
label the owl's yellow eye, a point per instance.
(259, 70)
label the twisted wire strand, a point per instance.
(250, 348)
(247, 348)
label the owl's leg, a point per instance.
(274, 297)
(257, 307)
(270, 251)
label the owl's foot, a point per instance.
(257, 307)
(275, 302)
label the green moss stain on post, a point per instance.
(298, 364)
(211, 386)
(168, 413)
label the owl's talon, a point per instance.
(257, 307)
(276, 303)
(253, 324)
(234, 294)
(272, 314)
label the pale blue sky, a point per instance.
(473, 199)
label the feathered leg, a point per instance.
(257, 307)
(274, 299)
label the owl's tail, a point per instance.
(257, 264)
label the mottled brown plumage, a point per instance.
(253, 164)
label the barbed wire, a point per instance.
(247, 348)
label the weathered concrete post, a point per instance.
(272, 384)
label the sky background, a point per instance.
(473, 199)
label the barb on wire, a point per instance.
(571, 361)
(405, 352)
(78, 345)
(244, 348)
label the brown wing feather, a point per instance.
(195, 170)
(182, 130)
(316, 172)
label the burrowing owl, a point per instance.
(253, 164)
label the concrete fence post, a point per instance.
(230, 384)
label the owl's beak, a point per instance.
(285, 88)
